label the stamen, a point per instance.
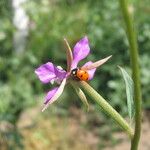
(52, 81)
(59, 67)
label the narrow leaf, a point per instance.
(129, 92)
(82, 96)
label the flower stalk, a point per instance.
(107, 108)
(131, 34)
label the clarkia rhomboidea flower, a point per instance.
(49, 73)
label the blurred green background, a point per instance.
(34, 35)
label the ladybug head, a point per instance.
(74, 72)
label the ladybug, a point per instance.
(80, 74)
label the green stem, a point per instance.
(130, 29)
(107, 108)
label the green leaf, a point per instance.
(129, 91)
(82, 96)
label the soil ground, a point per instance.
(37, 131)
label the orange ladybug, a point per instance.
(80, 74)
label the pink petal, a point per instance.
(48, 71)
(90, 72)
(56, 95)
(50, 94)
(80, 51)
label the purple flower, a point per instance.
(49, 73)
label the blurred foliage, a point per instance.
(50, 22)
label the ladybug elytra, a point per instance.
(80, 74)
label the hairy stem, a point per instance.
(107, 108)
(130, 29)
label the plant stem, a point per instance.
(130, 29)
(107, 108)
